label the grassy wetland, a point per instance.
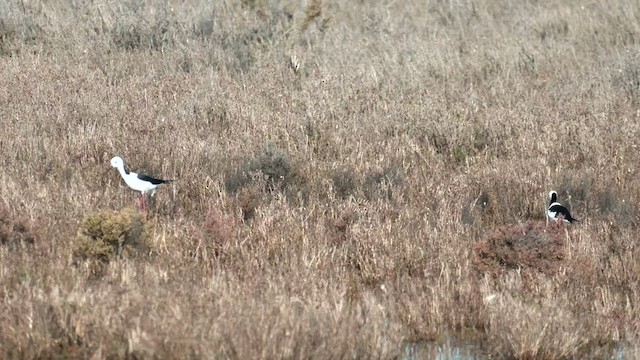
(353, 178)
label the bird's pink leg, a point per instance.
(146, 205)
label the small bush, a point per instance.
(610, 204)
(15, 231)
(7, 40)
(439, 141)
(128, 37)
(344, 183)
(628, 77)
(312, 13)
(15, 34)
(218, 231)
(339, 229)
(530, 247)
(380, 184)
(275, 167)
(107, 235)
(248, 200)
(133, 34)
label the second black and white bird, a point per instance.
(556, 211)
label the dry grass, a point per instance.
(338, 164)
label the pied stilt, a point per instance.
(556, 211)
(138, 182)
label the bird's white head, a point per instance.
(552, 193)
(117, 162)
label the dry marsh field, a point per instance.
(353, 179)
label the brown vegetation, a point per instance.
(353, 178)
(531, 247)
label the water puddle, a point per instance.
(450, 349)
(455, 349)
(626, 352)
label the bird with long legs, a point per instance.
(557, 211)
(146, 185)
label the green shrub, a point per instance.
(107, 235)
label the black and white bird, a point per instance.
(146, 185)
(556, 211)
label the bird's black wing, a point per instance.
(154, 181)
(561, 210)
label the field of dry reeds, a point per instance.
(353, 179)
